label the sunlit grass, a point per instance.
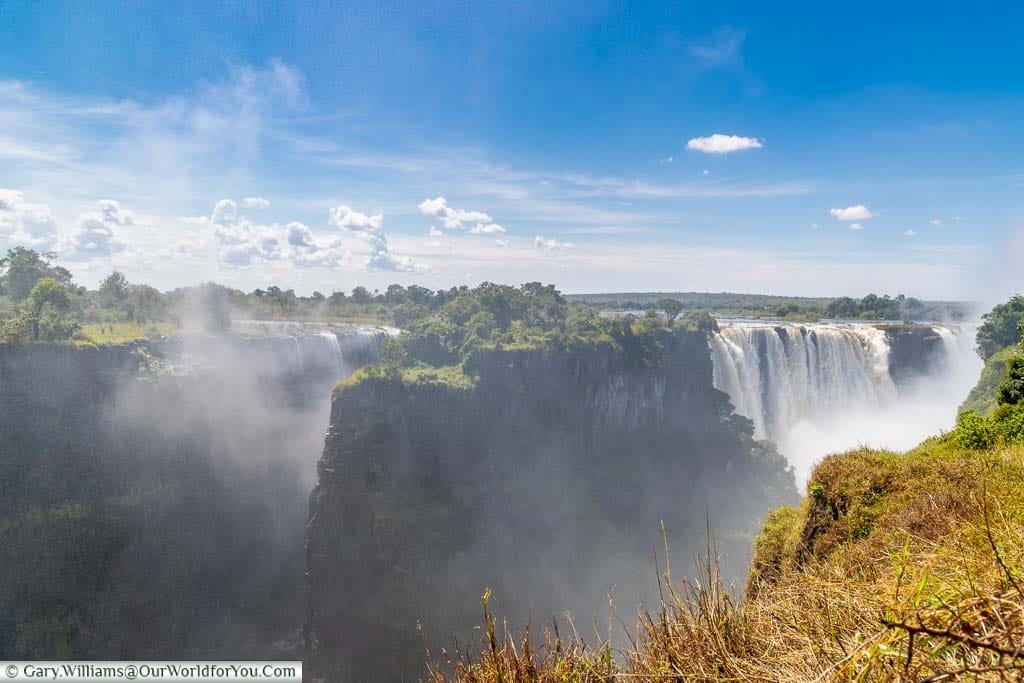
(116, 333)
(895, 567)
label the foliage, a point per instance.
(1011, 391)
(903, 567)
(22, 268)
(1001, 327)
(982, 397)
(797, 309)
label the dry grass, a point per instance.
(894, 568)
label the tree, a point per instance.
(49, 296)
(1011, 391)
(395, 294)
(144, 303)
(1001, 327)
(22, 268)
(672, 309)
(114, 289)
(360, 295)
(285, 299)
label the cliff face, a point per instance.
(546, 481)
(914, 351)
(159, 515)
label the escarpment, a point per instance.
(543, 474)
(154, 494)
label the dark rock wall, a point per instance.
(547, 482)
(914, 351)
(161, 515)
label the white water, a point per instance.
(824, 388)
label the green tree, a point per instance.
(144, 303)
(47, 296)
(1001, 327)
(114, 290)
(1011, 391)
(360, 295)
(22, 268)
(672, 309)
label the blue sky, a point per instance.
(871, 148)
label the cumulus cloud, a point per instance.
(487, 229)
(551, 246)
(502, 243)
(26, 224)
(722, 144)
(369, 229)
(434, 232)
(240, 242)
(96, 234)
(856, 226)
(346, 218)
(456, 219)
(255, 203)
(858, 212)
(909, 233)
(936, 222)
(307, 250)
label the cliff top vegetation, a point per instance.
(439, 343)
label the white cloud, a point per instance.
(453, 219)
(502, 243)
(24, 223)
(958, 219)
(815, 226)
(936, 222)
(346, 218)
(306, 250)
(856, 226)
(909, 233)
(705, 172)
(434, 232)
(255, 203)
(722, 144)
(487, 229)
(552, 246)
(95, 236)
(666, 160)
(858, 212)
(240, 242)
(369, 230)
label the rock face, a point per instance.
(914, 351)
(545, 481)
(160, 515)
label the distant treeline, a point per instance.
(870, 307)
(39, 301)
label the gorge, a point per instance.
(173, 478)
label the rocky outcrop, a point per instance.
(546, 480)
(914, 351)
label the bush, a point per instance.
(974, 431)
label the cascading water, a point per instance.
(816, 389)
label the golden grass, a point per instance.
(116, 333)
(894, 568)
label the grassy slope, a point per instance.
(884, 545)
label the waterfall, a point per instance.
(818, 388)
(331, 350)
